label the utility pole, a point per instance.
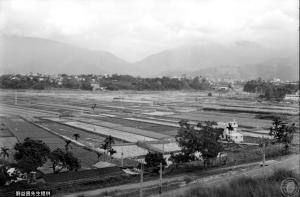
(141, 184)
(16, 97)
(160, 178)
(122, 162)
(263, 155)
(160, 170)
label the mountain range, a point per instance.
(241, 60)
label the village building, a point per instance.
(292, 97)
(231, 132)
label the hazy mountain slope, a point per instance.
(283, 68)
(241, 60)
(24, 54)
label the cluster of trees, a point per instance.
(153, 161)
(195, 141)
(24, 82)
(282, 132)
(113, 82)
(127, 82)
(203, 141)
(43, 82)
(107, 145)
(270, 91)
(32, 154)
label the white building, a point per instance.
(95, 86)
(231, 134)
(292, 97)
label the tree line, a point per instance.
(269, 90)
(113, 82)
(40, 83)
(127, 82)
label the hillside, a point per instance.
(24, 55)
(242, 60)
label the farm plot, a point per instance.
(128, 137)
(159, 113)
(154, 122)
(22, 129)
(7, 139)
(247, 122)
(88, 138)
(129, 151)
(132, 129)
(122, 121)
(249, 110)
(94, 141)
(17, 110)
(8, 142)
(167, 147)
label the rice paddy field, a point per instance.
(130, 117)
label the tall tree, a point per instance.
(98, 155)
(204, 139)
(31, 154)
(4, 152)
(72, 163)
(108, 145)
(57, 158)
(68, 142)
(4, 177)
(76, 136)
(282, 132)
(153, 161)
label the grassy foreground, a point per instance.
(246, 187)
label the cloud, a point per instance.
(134, 29)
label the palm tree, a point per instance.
(76, 136)
(109, 140)
(4, 152)
(111, 152)
(230, 127)
(68, 142)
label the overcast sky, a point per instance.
(133, 29)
